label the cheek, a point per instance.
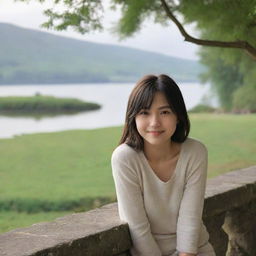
(139, 125)
(172, 123)
(174, 120)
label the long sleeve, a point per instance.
(191, 208)
(131, 208)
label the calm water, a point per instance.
(112, 97)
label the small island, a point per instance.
(43, 105)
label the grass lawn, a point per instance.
(56, 171)
(230, 139)
(12, 220)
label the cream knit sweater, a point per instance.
(164, 217)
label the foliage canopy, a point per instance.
(235, 19)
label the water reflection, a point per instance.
(44, 115)
(112, 97)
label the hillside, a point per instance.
(30, 56)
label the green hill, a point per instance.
(29, 56)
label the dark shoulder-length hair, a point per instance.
(142, 96)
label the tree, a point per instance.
(232, 76)
(229, 70)
(225, 78)
(86, 15)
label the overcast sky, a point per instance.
(152, 37)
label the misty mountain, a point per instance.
(33, 57)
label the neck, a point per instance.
(159, 152)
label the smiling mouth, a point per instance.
(155, 132)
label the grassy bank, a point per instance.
(70, 171)
(231, 140)
(43, 104)
(12, 220)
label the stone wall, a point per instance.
(229, 215)
(230, 212)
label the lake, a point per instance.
(112, 97)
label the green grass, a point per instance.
(13, 220)
(231, 140)
(68, 171)
(54, 166)
(43, 104)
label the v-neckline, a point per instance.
(174, 171)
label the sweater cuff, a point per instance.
(187, 242)
(145, 246)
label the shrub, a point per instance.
(44, 104)
(202, 108)
(244, 99)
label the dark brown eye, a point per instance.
(143, 112)
(165, 112)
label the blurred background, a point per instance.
(64, 88)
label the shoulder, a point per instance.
(124, 162)
(196, 156)
(124, 153)
(195, 147)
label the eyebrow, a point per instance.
(163, 107)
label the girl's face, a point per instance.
(157, 124)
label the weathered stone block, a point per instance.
(95, 233)
(240, 224)
(218, 237)
(230, 190)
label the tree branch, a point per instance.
(233, 44)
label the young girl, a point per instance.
(160, 173)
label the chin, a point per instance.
(157, 142)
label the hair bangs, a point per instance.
(143, 100)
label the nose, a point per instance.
(155, 121)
